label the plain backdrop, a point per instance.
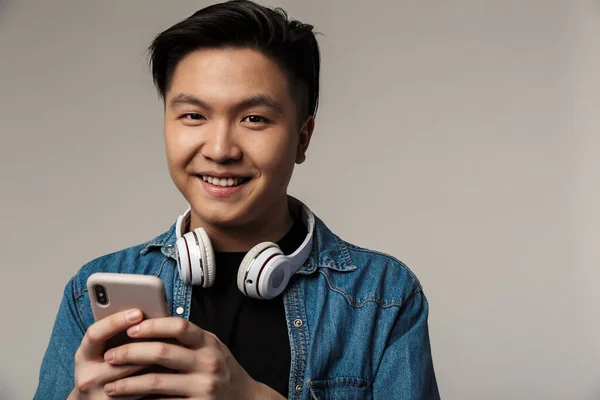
(461, 137)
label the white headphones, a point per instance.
(264, 272)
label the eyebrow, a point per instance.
(252, 101)
(183, 99)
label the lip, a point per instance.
(221, 175)
(221, 192)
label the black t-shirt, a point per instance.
(255, 331)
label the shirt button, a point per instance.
(169, 246)
(179, 310)
(298, 323)
(298, 388)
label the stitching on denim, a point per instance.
(359, 304)
(159, 241)
(327, 263)
(77, 299)
(388, 256)
(79, 295)
(344, 250)
(413, 294)
(341, 381)
(335, 384)
(80, 303)
(161, 267)
(299, 337)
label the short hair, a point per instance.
(244, 24)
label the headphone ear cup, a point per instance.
(190, 259)
(208, 263)
(195, 258)
(274, 277)
(183, 260)
(247, 261)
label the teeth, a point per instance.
(221, 182)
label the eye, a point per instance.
(255, 119)
(192, 116)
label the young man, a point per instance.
(240, 84)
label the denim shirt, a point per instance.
(356, 319)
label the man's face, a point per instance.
(232, 135)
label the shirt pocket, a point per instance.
(341, 388)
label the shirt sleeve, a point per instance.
(406, 370)
(56, 378)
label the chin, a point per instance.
(220, 221)
(222, 214)
(227, 210)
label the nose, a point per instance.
(220, 146)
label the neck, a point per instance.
(271, 227)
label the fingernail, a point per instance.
(109, 355)
(109, 388)
(133, 315)
(134, 330)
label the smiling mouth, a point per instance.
(224, 182)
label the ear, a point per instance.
(304, 139)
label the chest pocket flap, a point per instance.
(340, 389)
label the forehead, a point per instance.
(227, 74)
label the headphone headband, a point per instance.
(182, 222)
(299, 257)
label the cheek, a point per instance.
(275, 158)
(172, 150)
(177, 148)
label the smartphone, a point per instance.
(113, 292)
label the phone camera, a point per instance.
(101, 294)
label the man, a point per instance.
(240, 85)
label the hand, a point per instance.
(91, 371)
(204, 367)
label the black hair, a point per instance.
(244, 24)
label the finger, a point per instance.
(111, 373)
(153, 353)
(97, 374)
(177, 328)
(150, 397)
(94, 341)
(162, 384)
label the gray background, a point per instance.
(459, 136)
